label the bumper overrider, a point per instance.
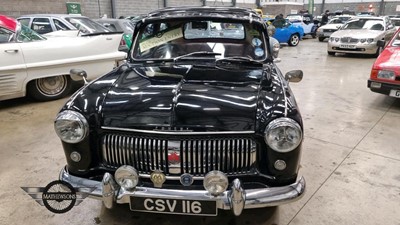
(235, 198)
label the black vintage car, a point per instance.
(199, 119)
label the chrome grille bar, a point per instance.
(197, 156)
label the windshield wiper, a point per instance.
(201, 53)
(245, 61)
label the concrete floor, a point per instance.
(350, 160)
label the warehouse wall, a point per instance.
(99, 8)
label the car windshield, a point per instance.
(26, 35)
(396, 40)
(86, 25)
(200, 39)
(293, 18)
(364, 24)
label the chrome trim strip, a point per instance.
(176, 132)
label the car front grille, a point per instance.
(348, 40)
(182, 154)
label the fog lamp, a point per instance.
(127, 177)
(215, 182)
(376, 85)
(75, 156)
(280, 164)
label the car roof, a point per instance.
(8, 22)
(53, 15)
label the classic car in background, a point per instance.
(385, 73)
(360, 36)
(306, 21)
(333, 25)
(38, 66)
(286, 32)
(197, 120)
(46, 23)
(120, 25)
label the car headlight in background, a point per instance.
(283, 135)
(386, 74)
(71, 126)
(332, 39)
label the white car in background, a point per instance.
(360, 35)
(333, 25)
(39, 66)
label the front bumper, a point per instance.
(357, 48)
(382, 87)
(235, 198)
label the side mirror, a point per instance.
(78, 74)
(294, 76)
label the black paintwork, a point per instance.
(197, 96)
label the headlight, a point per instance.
(283, 135)
(370, 40)
(337, 39)
(386, 74)
(71, 126)
(362, 40)
(215, 182)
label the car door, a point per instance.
(12, 65)
(282, 31)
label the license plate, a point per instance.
(327, 34)
(348, 46)
(174, 206)
(395, 93)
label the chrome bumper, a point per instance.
(235, 198)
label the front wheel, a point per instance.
(294, 40)
(321, 39)
(50, 88)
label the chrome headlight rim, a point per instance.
(72, 116)
(279, 123)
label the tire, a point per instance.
(331, 53)
(321, 39)
(294, 40)
(49, 88)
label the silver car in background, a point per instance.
(360, 36)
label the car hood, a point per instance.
(357, 33)
(331, 26)
(185, 97)
(388, 59)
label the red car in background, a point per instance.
(385, 73)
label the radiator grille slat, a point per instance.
(194, 155)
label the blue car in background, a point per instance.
(286, 32)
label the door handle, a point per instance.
(11, 50)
